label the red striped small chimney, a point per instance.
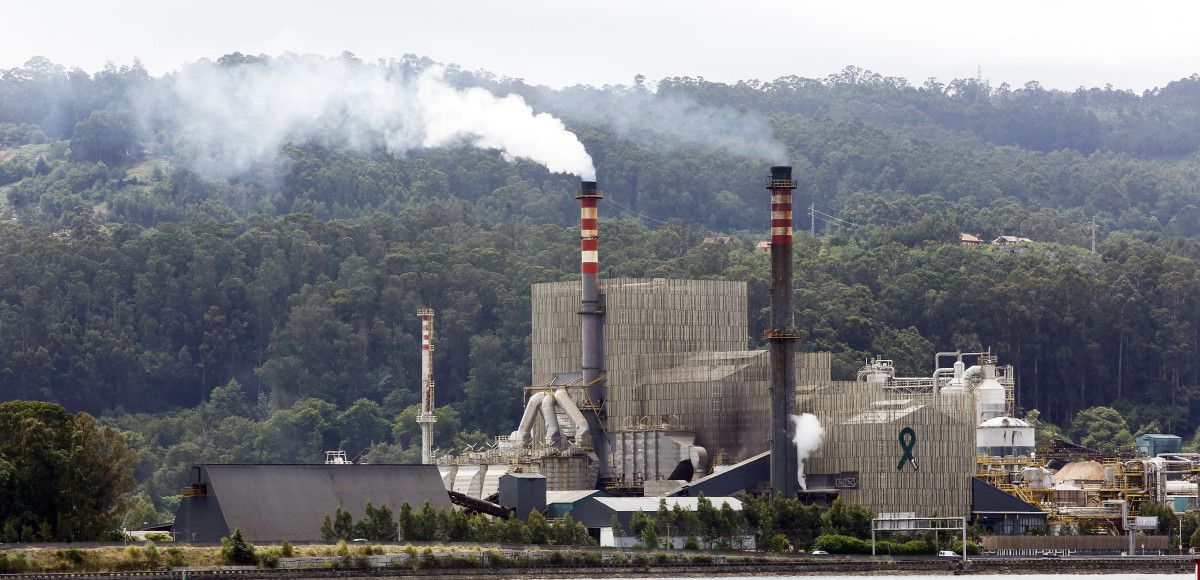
(426, 418)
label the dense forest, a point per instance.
(270, 316)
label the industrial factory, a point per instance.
(648, 388)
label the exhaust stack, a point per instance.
(782, 335)
(591, 315)
(426, 419)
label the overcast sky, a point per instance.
(1062, 44)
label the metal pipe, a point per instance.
(937, 358)
(568, 405)
(591, 315)
(782, 335)
(426, 418)
(550, 420)
(521, 435)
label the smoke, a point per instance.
(667, 121)
(808, 435)
(233, 118)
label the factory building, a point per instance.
(646, 387)
(675, 352)
(893, 452)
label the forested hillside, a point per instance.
(270, 316)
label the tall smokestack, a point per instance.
(426, 419)
(592, 325)
(782, 334)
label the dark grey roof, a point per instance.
(987, 498)
(738, 477)
(277, 502)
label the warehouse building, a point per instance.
(271, 503)
(598, 513)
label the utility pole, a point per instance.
(1093, 228)
(812, 219)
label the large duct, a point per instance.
(782, 335)
(426, 419)
(591, 315)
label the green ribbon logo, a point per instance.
(908, 439)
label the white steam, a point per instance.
(808, 435)
(232, 118)
(667, 121)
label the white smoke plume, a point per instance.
(808, 436)
(667, 121)
(232, 118)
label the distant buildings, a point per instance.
(719, 241)
(1010, 241)
(1002, 241)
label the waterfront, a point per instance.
(1128, 576)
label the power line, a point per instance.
(632, 211)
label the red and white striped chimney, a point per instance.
(426, 418)
(782, 335)
(592, 324)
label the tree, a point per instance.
(343, 524)
(378, 524)
(327, 533)
(64, 474)
(236, 550)
(1043, 431)
(105, 136)
(228, 400)
(1102, 428)
(406, 523)
(361, 425)
(645, 528)
(537, 530)
(847, 520)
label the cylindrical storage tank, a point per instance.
(989, 400)
(1004, 437)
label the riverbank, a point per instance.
(474, 561)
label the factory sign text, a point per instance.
(846, 480)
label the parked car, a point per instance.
(819, 553)
(947, 554)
